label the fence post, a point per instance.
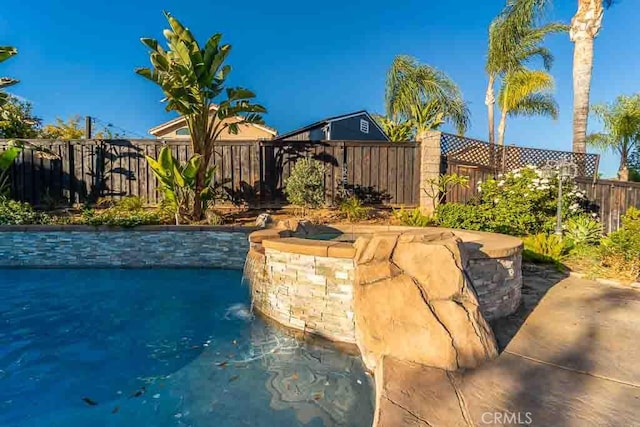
(430, 157)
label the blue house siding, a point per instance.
(344, 127)
(349, 129)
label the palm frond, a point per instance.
(621, 126)
(411, 85)
(540, 104)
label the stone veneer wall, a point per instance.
(306, 292)
(152, 246)
(308, 284)
(498, 283)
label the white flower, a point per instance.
(500, 183)
(495, 201)
(544, 181)
(517, 175)
(593, 214)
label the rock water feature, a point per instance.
(415, 296)
(422, 312)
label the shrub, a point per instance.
(305, 186)
(353, 209)
(438, 188)
(583, 230)
(545, 248)
(457, 215)
(520, 202)
(128, 212)
(620, 250)
(18, 213)
(412, 217)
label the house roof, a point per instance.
(178, 120)
(328, 120)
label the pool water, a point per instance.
(162, 348)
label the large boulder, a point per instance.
(414, 302)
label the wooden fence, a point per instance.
(248, 171)
(609, 198)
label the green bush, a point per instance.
(353, 209)
(412, 217)
(520, 202)
(305, 186)
(546, 248)
(583, 230)
(127, 212)
(620, 250)
(18, 213)
(457, 215)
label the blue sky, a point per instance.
(305, 60)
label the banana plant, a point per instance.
(7, 157)
(6, 52)
(178, 181)
(11, 153)
(193, 78)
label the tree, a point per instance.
(193, 78)
(413, 87)
(525, 92)
(6, 52)
(69, 129)
(621, 134)
(585, 26)
(396, 131)
(514, 40)
(17, 119)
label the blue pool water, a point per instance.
(162, 348)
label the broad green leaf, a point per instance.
(166, 160)
(192, 166)
(177, 176)
(8, 156)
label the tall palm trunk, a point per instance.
(582, 68)
(502, 127)
(584, 28)
(490, 101)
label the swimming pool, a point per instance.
(162, 348)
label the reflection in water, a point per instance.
(162, 348)
(313, 381)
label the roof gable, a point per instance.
(180, 120)
(328, 120)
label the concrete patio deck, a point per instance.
(572, 362)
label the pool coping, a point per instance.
(480, 245)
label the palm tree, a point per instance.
(396, 131)
(621, 134)
(585, 26)
(514, 40)
(525, 92)
(193, 81)
(6, 52)
(412, 85)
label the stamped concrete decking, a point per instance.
(574, 361)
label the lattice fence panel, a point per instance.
(474, 151)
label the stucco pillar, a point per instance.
(430, 157)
